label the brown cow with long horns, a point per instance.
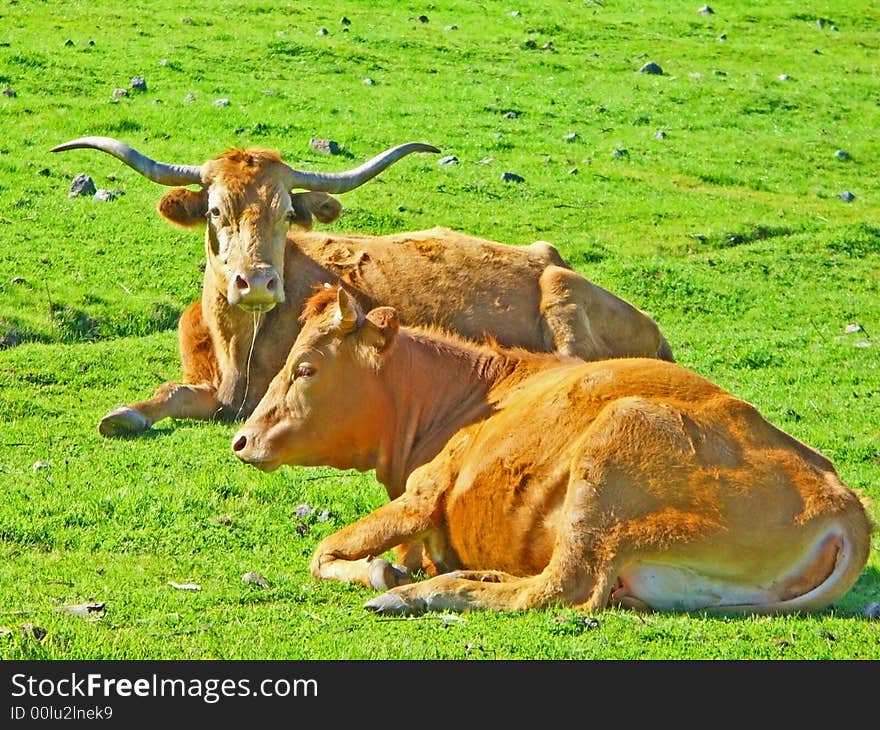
(263, 262)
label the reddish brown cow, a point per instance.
(260, 271)
(539, 480)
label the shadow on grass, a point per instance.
(170, 427)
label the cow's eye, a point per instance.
(214, 212)
(290, 216)
(304, 370)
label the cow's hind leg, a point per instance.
(578, 573)
(586, 321)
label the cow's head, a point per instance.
(246, 200)
(326, 404)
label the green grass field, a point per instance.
(729, 229)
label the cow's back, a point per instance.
(471, 286)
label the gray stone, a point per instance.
(254, 579)
(324, 146)
(82, 185)
(651, 68)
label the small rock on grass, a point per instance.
(185, 586)
(32, 631)
(651, 68)
(254, 579)
(324, 146)
(82, 185)
(86, 610)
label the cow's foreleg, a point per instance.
(352, 554)
(196, 397)
(171, 400)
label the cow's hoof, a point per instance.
(392, 603)
(124, 421)
(384, 575)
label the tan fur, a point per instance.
(534, 480)
(260, 269)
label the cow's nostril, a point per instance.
(270, 285)
(239, 443)
(241, 282)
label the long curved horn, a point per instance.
(342, 182)
(158, 172)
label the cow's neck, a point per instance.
(438, 387)
(232, 337)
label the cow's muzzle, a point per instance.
(256, 290)
(245, 447)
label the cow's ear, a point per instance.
(348, 312)
(184, 207)
(324, 207)
(380, 328)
